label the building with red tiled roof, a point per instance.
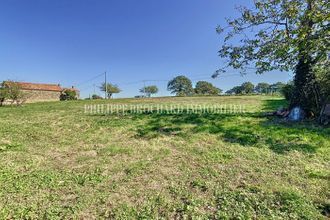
(40, 86)
(39, 92)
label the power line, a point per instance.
(105, 85)
(157, 80)
(91, 79)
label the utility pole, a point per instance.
(105, 84)
(144, 88)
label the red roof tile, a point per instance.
(39, 86)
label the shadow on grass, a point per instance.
(249, 130)
(274, 104)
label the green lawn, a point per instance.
(57, 162)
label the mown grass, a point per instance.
(57, 162)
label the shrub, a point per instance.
(3, 95)
(12, 92)
(94, 96)
(68, 95)
(287, 91)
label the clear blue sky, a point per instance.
(71, 41)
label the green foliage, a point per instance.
(281, 30)
(68, 94)
(288, 91)
(323, 79)
(110, 89)
(206, 88)
(245, 88)
(149, 90)
(262, 87)
(94, 96)
(306, 93)
(3, 95)
(181, 86)
(288, 35)
(235, 90)
(12, 92)
(276, 87)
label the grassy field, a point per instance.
(57, 162)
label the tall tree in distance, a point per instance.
(262, 87)
(181, 86)
(149, 90)
(235, 90)
(276, 87)
(247, 88)
(206, 88)
(290, 35)
(244, 88)
(110, 88)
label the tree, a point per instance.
(13, 92)
(291, 35)
(3, 94)
(247, 88)
(235, 90)
(181, 86)
(276, 87)
(262, 87)
(110, 89)
(206, 88)
(68, 94)
(149, 90)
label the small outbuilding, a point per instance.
(41, 92)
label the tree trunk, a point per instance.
(307, 91)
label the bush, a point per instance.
(68, 95)
(3, 95)
(96, 97)
(12, 92)
(287, 91)
(324, 82)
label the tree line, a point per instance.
(260, 88)
(183, 86)
(180, 86)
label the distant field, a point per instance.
(57, 162)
